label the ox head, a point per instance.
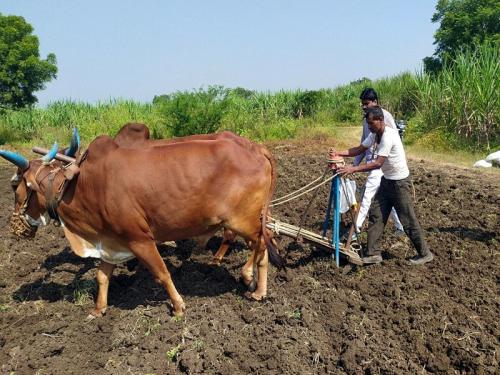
(29, 184)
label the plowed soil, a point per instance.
(390, 318)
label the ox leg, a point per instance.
(248, 273)
(103, 276)
(228, 238)
(261, 259)
(149, 256)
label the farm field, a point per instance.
(391, 318)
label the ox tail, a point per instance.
(274, 256)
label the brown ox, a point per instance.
(124, 200)
(137, 135)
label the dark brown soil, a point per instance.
(390, 318)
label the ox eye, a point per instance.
(14, 181)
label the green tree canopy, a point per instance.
(22, 72)
(463, 23)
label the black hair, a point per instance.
(375, 112)
(369, 93)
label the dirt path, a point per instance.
(389, 318)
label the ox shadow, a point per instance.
(66, 257)
(63, 263)
(135, 286)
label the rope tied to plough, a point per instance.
(298, 193)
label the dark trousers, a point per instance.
(397, 194)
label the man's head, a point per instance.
(375, 118)
(369, 98)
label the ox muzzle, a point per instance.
(23, 225)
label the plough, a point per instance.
(300, 234)
(351, 250)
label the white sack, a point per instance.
(494, 157)
(347, 194)
(482, 164)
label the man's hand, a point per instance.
(348, 169)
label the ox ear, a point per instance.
(75, 144)
(51, 154)
(32, 185)
(16, 159)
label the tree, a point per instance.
(463, 23)
(197, 112)
(22, 72)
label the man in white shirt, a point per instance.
(394, 190)
(369, 99)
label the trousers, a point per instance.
(394, 194)
(371, 186)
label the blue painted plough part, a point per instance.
(334, 202)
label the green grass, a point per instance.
(173, 353)
(456, 110)
(295, 314)
(83, 292)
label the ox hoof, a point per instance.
(95, 313)
(179, 309)
(254, 296)
(249, 281)
(90, 317)
(252, 286)
(215, 262)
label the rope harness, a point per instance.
(23, 225)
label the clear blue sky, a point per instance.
(137, 49)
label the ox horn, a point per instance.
(75, 144)
(51, 154)
(16, 159)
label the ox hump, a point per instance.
(101, 146)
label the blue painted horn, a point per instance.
(16, 159)
(51, 154)
(75, 144)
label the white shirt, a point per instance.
(388, 121)
(390, 146)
